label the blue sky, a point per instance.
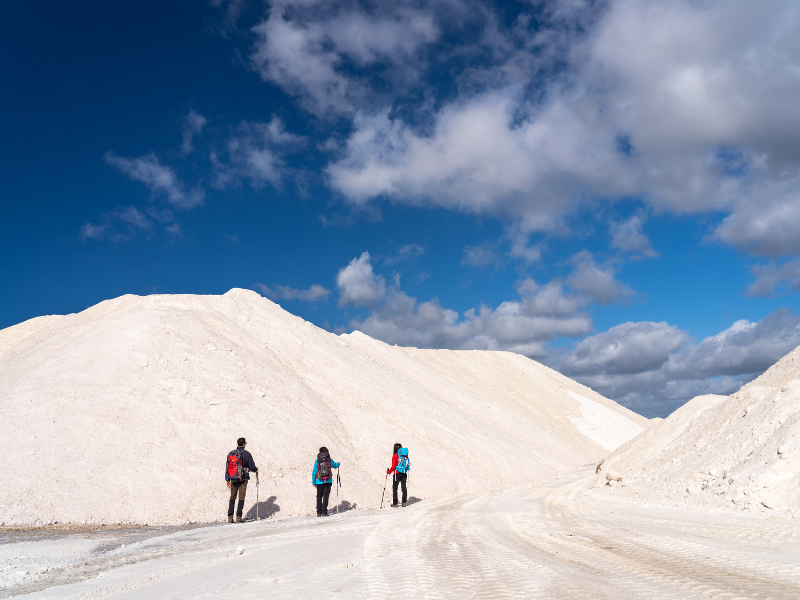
(612, 188)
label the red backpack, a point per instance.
(235, 469)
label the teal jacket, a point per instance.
(315, 480)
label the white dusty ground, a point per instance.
(737, 453)
(557, 540)
(124, 413)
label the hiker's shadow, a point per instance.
(413, 500)
(266, 509)
(344, 505)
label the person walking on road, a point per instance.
(322, 479)
(400, 468)
(238, 465)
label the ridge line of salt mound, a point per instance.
(133, 380)
(10, 336)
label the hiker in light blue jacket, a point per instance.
(322, 478)
(400, 467)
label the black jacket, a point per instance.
(247, 462)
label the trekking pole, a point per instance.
(338, 484)
(256, 496)
(384, 488)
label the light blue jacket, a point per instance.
(315, 481)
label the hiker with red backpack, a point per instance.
(400, 467)
(322, 479)
(238, 465)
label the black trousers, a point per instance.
(323, 492)
(399, 479)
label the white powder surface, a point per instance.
(124, 413)
(602, 424)
(729, 453)
(15, 334)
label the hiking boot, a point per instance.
(239, 519)
(230, 518)
(394, 505)
(404, 503)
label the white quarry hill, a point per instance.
(124, 413)
(738, 452)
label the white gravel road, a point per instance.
(555, 540)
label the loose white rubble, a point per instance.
(729, 453)
(124, 412)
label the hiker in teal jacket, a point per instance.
(322, 479)
(400, 467)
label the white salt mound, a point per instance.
(124, 413)
(15, 334)
(738, 452)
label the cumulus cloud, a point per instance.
(309, 48)
(315, 293)
(192, 125)
(162, 180)
(359, 285)
(543, 313)
(628, 237)
(255, 153)
(771, 278)
(655, 367)
(690, 106)
(597, 281)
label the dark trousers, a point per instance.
(399, 478)
(237, 488)
(323, 492)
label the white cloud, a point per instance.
(193, 124)
(306, 47)
(597, 281)
(162, 180)
(625, 349)
(771, 278)
(543, 313)
(689, 105)
(627, 236)
(359, 285)
(315, 293)
(654, 367)
(256, 153)
(521, 248)
(766, 217)
(479, 159)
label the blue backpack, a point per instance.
(403, 464)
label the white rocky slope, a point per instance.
(124, 413)
(738, 452)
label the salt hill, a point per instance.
(738, 452)
(124, 413)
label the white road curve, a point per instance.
(553, 541)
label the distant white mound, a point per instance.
(738, 452)
(124, 413)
